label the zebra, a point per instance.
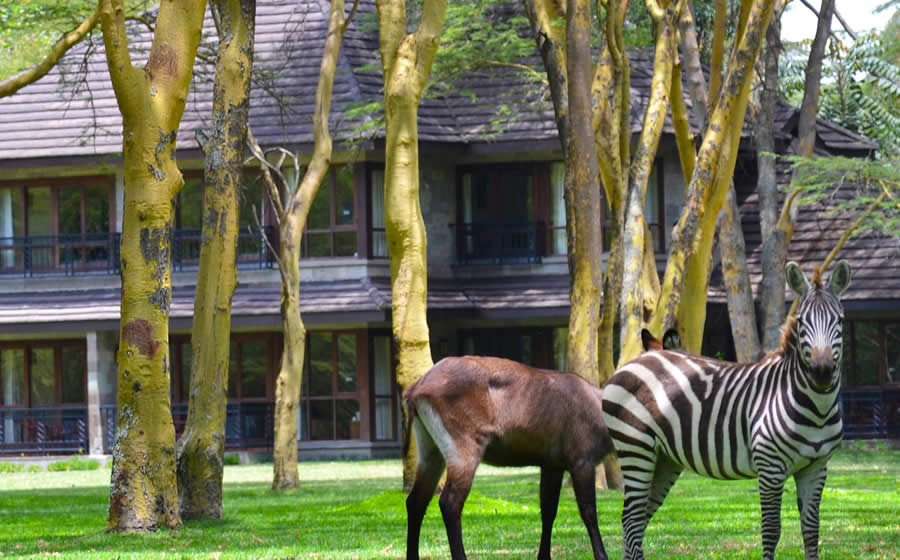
(669, 410)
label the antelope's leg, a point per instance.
(428, 474)
(583, 479)
(664, 476)
(771, 486)
(810, 483)
(551, 482)
(453, 497)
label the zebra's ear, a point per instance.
(796, 279)
(840, 278)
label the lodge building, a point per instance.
(491, 193)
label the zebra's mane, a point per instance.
(788, 329)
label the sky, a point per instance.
(799, 23)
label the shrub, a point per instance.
(232, 459)
(11, 467)
(74, 464)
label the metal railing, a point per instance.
(503, 243)
(74, 254)
(248, 425)
(68, 254)
(59, 429)
(871, 413)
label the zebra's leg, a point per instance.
(771, 486)
(637, 473)
(664, 476)
(810, 482)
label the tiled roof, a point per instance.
(50, 119)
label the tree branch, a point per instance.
(13, 84)
(853, 35)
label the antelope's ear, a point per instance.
(796, 279)
(671, 340)
(650, 342)
(840, 278)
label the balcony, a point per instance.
(43, 431)
(99, 253)
(499, 244)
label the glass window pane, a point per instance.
(302, 424)
(892, 344)
(321, 364)
(560, 349)
(233, 372)
(651, 203)
(321, 425)
(347, 419)
(516, 196)
(96, 209)
(345, 244)
(319, 244)
(382, 366)
(384, 420)
(251, 195)
(253, 369)
(377, 202)
(72, 371)
(37, 200)
(190, 204)
(185, 372)
(11, 225)
(343, 199)
(69, 204)
(865, 370)
(12, 376)
(43, 377)
(318, 212)
(346, 363)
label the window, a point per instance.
(331, 229)
(383, 393)
(43, 374)
(871, 353)
(376, 211)
(330, 406)
(558, 240)
(654, 211)
(532, 346)
(67, 221)
(502, 211)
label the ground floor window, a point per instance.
(383, 393)
(871, 353)
(330, 399)
(38, 374)
(535, 346)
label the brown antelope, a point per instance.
(466, 410)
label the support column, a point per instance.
(95, 425)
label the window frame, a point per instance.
(56, 346)
(362, 350)
(393, 389)
(330, 182)
(850, 351)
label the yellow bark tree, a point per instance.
(143, 492)
(201, 448)
(406, 60)
(292, 216)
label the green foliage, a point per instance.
(860, 87)
(18, 468)
(850, 186)
(347, 510)
(232, 459)
(74, 464)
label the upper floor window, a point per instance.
(655, 210)
(331, 229)
(63, 221)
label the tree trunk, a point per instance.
(582, 194)
(806, 128)
(292, 219)
(201, 448)
(704, 191)
(635, 254)
(290, 375)
(143, 493)
(406, 61)
(774, 242)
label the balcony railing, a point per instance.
(504, 243)
(98, 253)
(48, 430)
(248, 425)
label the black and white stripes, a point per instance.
(668, 411)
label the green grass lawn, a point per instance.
(355, 510)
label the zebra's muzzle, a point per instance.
(822, 376)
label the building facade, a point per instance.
(491, 194)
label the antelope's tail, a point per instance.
(409, 412)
